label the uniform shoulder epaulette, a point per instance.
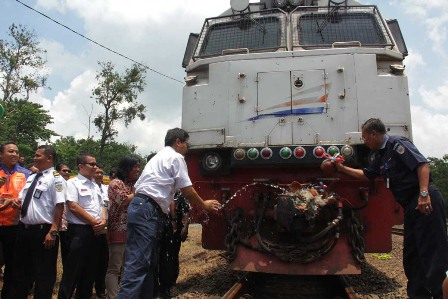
(56, 173)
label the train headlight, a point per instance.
(280, 3)
(211, 161)
(299, 152)
(253, 153)
(318, 151)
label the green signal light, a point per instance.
(285, 153)
(252, 153)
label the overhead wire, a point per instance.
(98, 44)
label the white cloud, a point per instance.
(429, 130)
(435, 99)
(433, 14)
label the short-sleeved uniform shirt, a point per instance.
(165, 173)
(50, 191)
(16, 180)
(397, 161)
(87, 194)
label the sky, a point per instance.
(155, 33)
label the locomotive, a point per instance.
(272, 90)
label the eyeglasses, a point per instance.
(66, 170)
(93, 164)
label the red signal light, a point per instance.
(299, 152)
(319, 151)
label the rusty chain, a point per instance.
(355, 237)
(232, 238)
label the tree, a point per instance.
(69, 148)
(117, 94)
(439, 173)
(25, 123)
(21, 64)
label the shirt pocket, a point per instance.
(40, 191)
(84, 197)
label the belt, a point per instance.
(35, 226)
(152, 201)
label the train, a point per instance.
(273, 91)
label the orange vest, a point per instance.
(15, 182)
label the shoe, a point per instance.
(101, 296)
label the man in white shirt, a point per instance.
(86, 220)
(36, 249)
(148, 212)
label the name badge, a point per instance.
(37, 194)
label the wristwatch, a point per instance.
(423, 193)
(54, 233)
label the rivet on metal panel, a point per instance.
(282, 120)
(300, 121)
(241, 99)
(340, 69)
(242, 75)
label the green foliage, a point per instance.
(439, 173)
(69, 148)
(25, 123)
(21, 64)
(117, 95)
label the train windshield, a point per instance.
(324, 29)
(248, 33)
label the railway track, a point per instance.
(261, 286)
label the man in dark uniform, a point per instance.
(407, 175)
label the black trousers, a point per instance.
(64, 245)
(425, 248)
(81, 264)
(7, 239)
(168, 267)
(33, 263)
(103, 262)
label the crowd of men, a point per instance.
(40, 210)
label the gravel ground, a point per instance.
(204, 274)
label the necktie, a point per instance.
(29, 194)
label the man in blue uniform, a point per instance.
(407, 175)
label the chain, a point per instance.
(355, 237)
(233, 236)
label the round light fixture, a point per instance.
(318, 151)
(299, 152)
(266, 153)
(285, 153)
(280, 3)
(239, 154)
(347, 151)
(333, 150)
(211, 161)
(253, 153)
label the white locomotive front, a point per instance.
(271, 89)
